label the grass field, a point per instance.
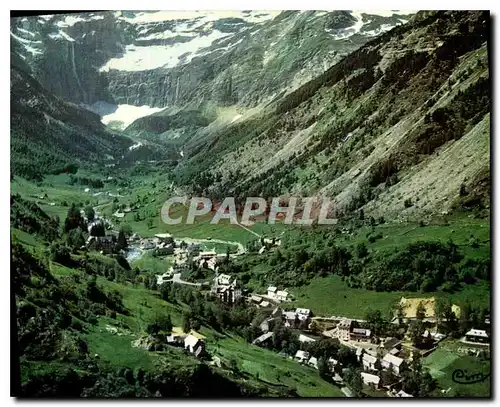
(445, 360)
(331, 296)
(275, 369)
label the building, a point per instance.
(390, 345)
(369, 362)
(303, 313)
(263, 338)
(313, 362)
(265, 304)
(194, 345)
(302, 356)
(360, 335)
(304, 338)
(477, 335)
(164, 249)
(370, 379)
(226, 288)
(396, 364)
(207, 255)
(255, 299)
(164, 238)
(271, 292)
(344, 329)
(282, 295)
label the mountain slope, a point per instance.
(174, 59)
(366, 130)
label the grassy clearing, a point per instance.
(445, 360)
(332, 296)
(270, 367)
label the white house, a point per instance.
(369, 361)
(303, 338)
(313, 362)
(282, 295)
(303, 313)
(393, 362)
(477, 335)
(271, 292)
(302, 356)
(194, 345)
(370, 379)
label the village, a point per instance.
(374, 353)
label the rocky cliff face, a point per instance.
(162, 59)
(394, 129)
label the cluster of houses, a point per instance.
(348, 330)
(277, 295)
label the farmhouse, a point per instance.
(194, 345)
(271, 292)
(343, 329)
(360, 335)
(302, 356)
(282, 295)
(477, 335)
(369, 362)
(304, 338)
(370, 379)
(263, 338)
(393, 362)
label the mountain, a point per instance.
(400, 128)
(124, 65)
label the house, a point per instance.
(164, 250)
(194, 345)
(304, 338)
(369, 362)
(164, 238)
(360, 335)
(262, 250)
(207, 255)
(256, 299)
(226, 288)
(401, 393)
(290, 318)
(303, 313)
(477, 335)
(370, 379)
(119, 215)
(282, 295)
(344, 329)
(389, 344)
(313, 362)
(302, 356)
(393, 362)
(332, 363)
(263, 338)
(264, 304)
(271, 292)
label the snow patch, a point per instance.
(138, 58)
(26, 32)
(63, 35)
(124, 114)
(236, 117)
(137, 145)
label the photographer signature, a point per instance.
(461, 376)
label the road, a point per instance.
(176, 278)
